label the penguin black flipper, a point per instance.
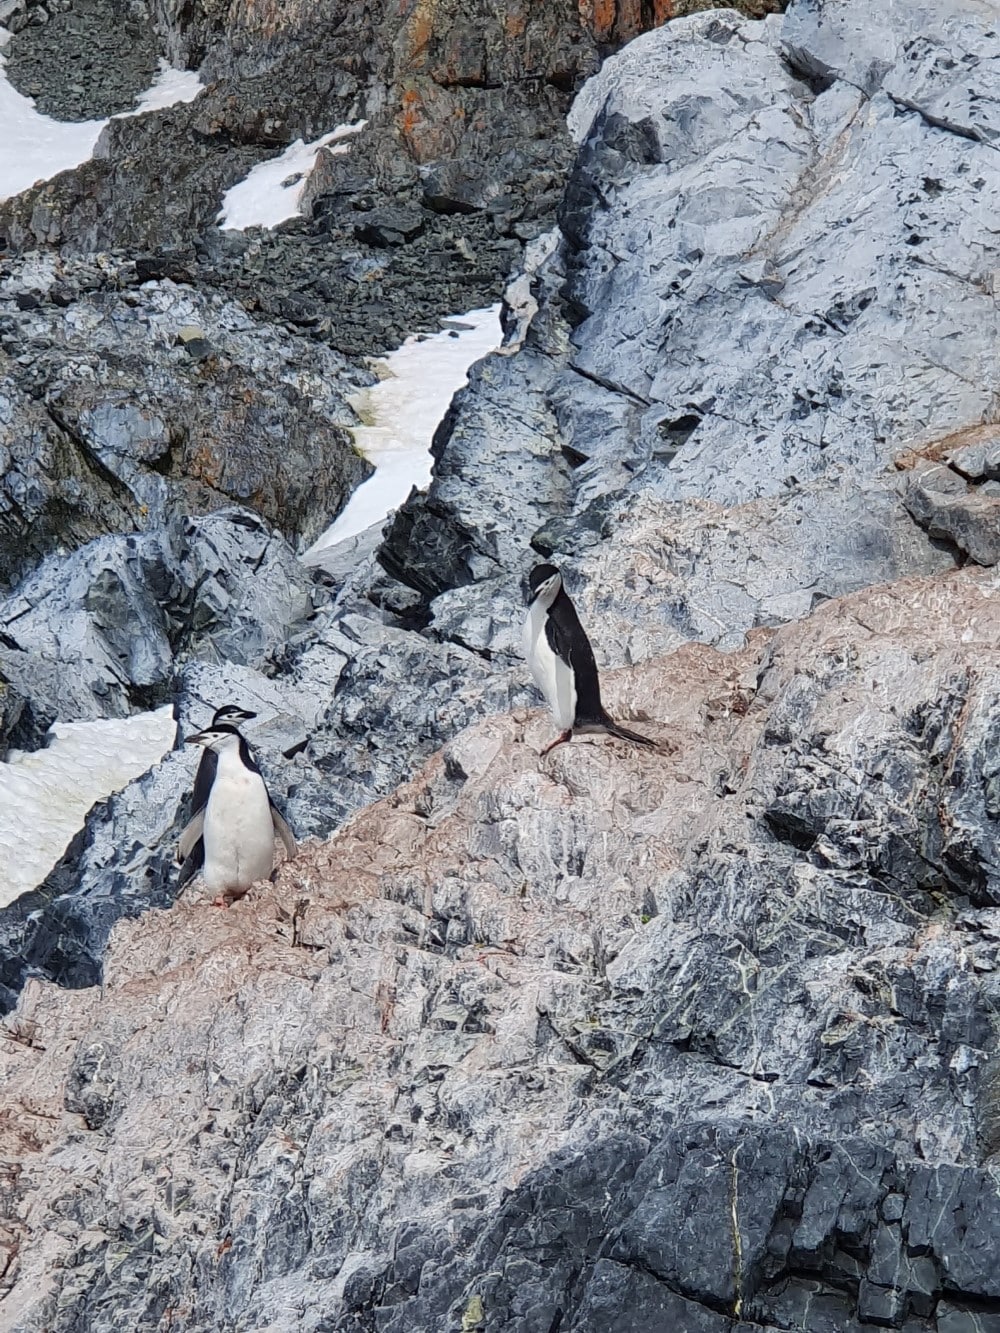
(203, 780)
(192, 865)
(283, 831)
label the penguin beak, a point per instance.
(197, 739)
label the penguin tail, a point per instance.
(614, 728)
(624, 734)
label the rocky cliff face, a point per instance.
(702, 1040)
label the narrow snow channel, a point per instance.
(401, 414)
(34, 147)
(271, 192)
(45, 795)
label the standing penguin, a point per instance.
(191, 850)
(238, 821)
(561, 659)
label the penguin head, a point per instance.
(233, 714)
(544, 582)
(218, 737)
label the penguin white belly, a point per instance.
(551, 674)
(238, 833)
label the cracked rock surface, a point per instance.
(543, 1010)
(614, 1042)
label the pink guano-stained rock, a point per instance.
(429, 993)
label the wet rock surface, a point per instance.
(610, 1041)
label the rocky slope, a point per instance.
(651, 1041)
(611, 1041)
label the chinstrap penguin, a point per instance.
(238, 822)
(192, 854)
(561, 659)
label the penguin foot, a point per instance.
(228, 896)
(561, 739)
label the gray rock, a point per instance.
(103, 53)
(951, 510)
(731, 352)
(389, 226)
(101, 632)
(609, 1041)
(347, 705)
(516, 1021)
(260, 420)
(52, 493)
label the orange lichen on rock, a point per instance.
(412, 110)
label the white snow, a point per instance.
(45, 795)
(170, 87)
(402, 412)
(34, 147)
(272, 190)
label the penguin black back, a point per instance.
(557, 650)
(568, 640)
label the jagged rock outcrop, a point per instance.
(136, 406)
(344, 715)
(466, 114)
(96, 634)
(704, 1039)
(718, 331)
(482, 1050)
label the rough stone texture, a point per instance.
(611, 1041)
(466, 107)
(951, 489)
(97, 634)
(943, 503)
(751, 300)
(343, 717)
(108, 48)
(541, 1011)
(111, 423)
(51, 492)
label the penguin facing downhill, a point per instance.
(238, 822)
(191, 851)
(561, 659)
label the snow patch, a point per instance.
(169, 88)
(45, 795)
(34, 147)
(272, 190)
(401, 414)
